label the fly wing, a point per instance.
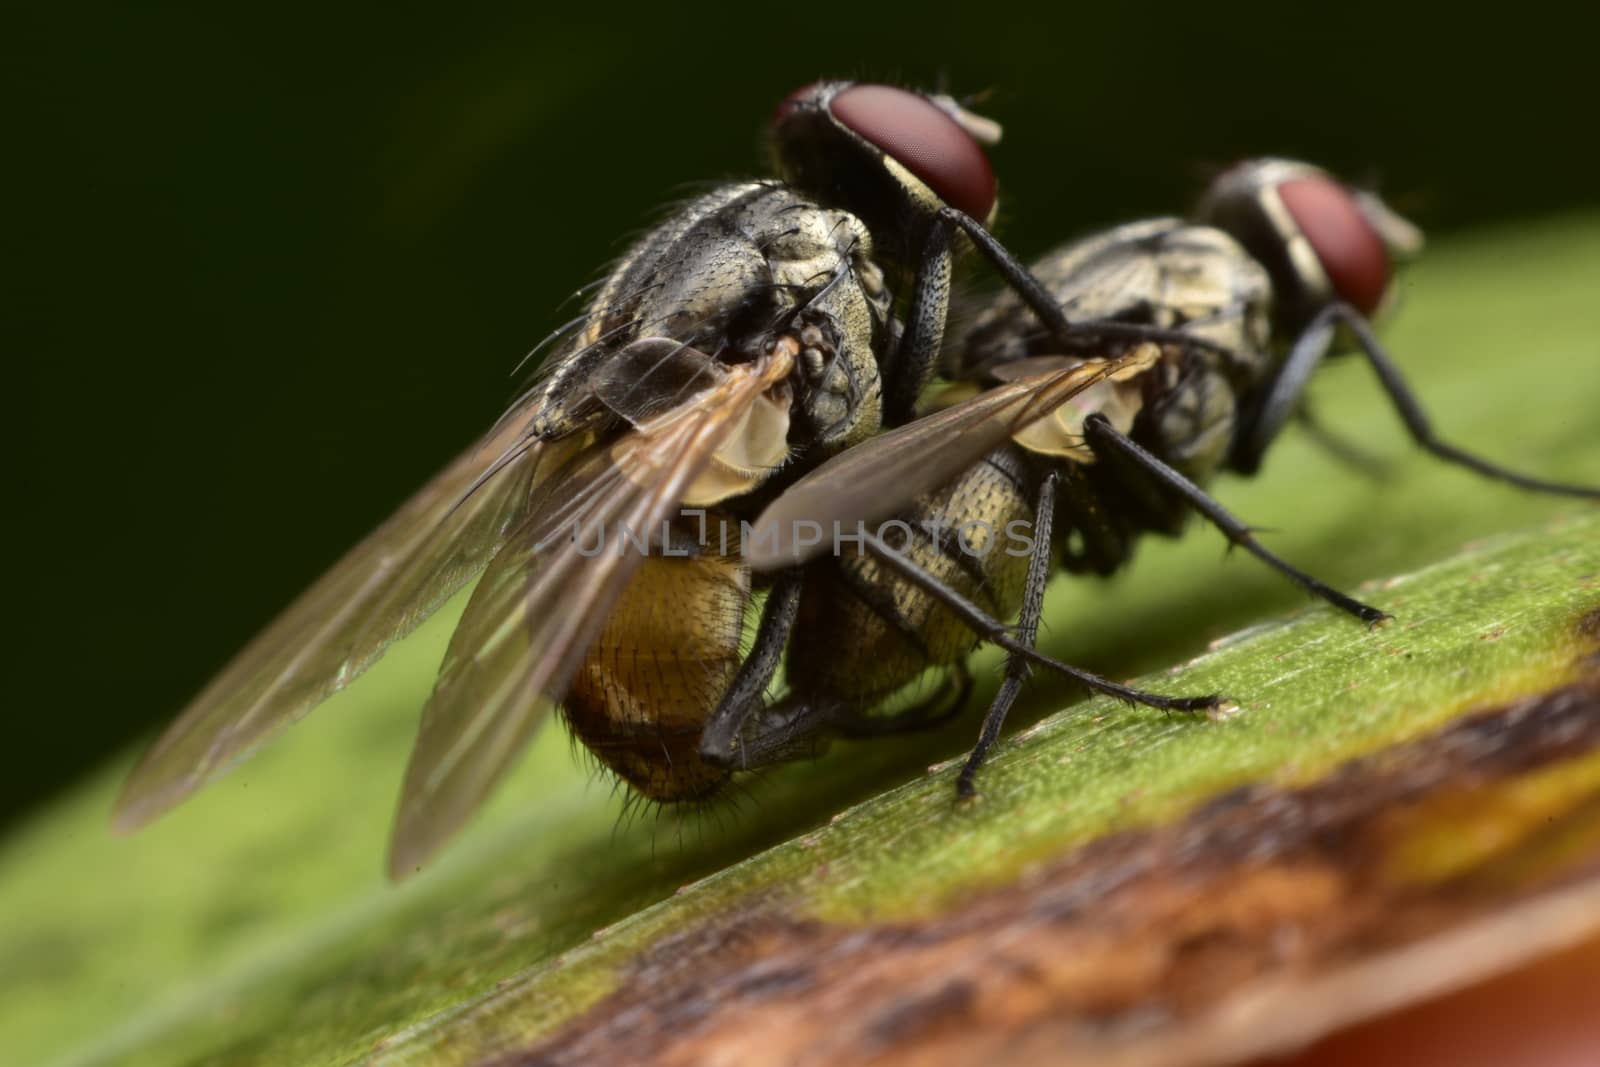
(544, 599)
(878, 478)
(382, 589)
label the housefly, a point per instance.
(1281, 266)
(748, 334)
(744, 328)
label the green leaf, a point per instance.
(253, 925)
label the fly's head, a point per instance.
(890, 155)
(1320, 240)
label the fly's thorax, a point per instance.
(1105, 275)
(730, 275)
(675, 249)
(634, 299)
(1161, 272)
(865, 632)
(668, 651)
(1165, 273)
(714, 280)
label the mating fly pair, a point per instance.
(750, 334)
(1280, 266)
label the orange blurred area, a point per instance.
(1545, 1014)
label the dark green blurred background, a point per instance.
(273, 268)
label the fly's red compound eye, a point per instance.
(1349, 248)
(925, 140)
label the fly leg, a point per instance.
(990, 629)
(790, 730)
(744, 695)
(799, 729)
(915, 355)
(937, 709)
(1351, 453)
(1308, 351)
(1017, 668)
(1105, 438)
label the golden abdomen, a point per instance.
(665, 657)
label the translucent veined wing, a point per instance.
(545, 597)
(380, 590)
(879, 477)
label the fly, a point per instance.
(749, 335)
(1281, 266)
